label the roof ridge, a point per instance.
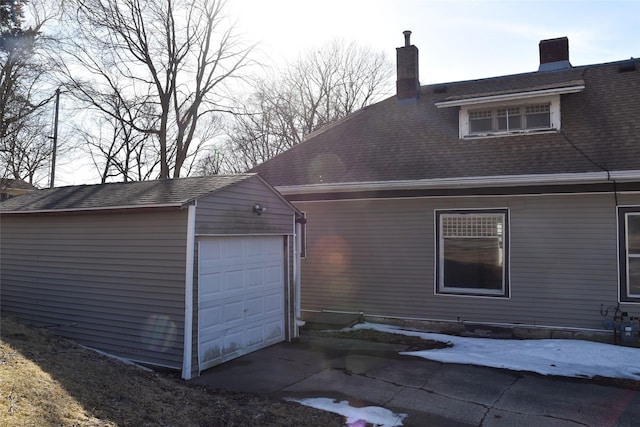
(529, 73)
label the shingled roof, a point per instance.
(122, 195)
(405, 141)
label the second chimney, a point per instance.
(554, 54)
(407, 83)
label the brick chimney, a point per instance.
(408, 84)
(554, 54)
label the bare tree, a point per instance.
(117, 150)
(166, 61)
(26, 150)
(319, 87)
(25, 87)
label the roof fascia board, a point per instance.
(467, 182)
(510, 96)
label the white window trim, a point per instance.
(554, 112)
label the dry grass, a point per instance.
(48, 381)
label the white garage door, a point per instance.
(241, 296)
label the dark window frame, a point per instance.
(440, 288)
(623, 255)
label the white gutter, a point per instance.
(188, 294)
(509, 96)
(466, 182)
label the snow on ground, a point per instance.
(568, 358)
(356, 417)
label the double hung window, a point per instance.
(472, 253)
(629, 250)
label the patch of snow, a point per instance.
(356, 417)
(569, 358)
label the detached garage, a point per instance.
(185, 273)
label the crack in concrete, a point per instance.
(493, 404)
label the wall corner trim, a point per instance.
(188, 294)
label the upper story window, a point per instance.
(505, 119)
(510, 118)
(511, 113)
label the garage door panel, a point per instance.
(273, 275)
(233, 280)
(232, 248)
(255, 277)
(211, 284)
(274, 330)
(241, 296)
(254, 307)
(273, 304)
(210, 315)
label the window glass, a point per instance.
(538, 116)
(509, 118)
(633, 233)
(634, 277)
(480, 121)
(472, 253)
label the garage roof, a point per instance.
(122, 195)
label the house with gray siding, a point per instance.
(183, 273)
(511, 201)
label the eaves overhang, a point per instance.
(466, 182)
(505, 97)
(130, 208)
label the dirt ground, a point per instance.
(49, 381)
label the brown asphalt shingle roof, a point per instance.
(396, 141)
(170, 192)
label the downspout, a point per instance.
(188, 294)
(296, 272)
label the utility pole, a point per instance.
(55, 140)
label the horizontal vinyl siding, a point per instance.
(230, 211)
(377, 257)
(110, 281)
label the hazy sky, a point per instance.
(457, 39)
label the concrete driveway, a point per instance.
(431, 393)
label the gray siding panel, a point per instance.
(377, 257)
(230, 211)
(112, 281)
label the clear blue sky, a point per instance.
(457, 39)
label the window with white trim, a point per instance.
(629, 245)
(511, 118)
(516, 117)
(472, 253)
